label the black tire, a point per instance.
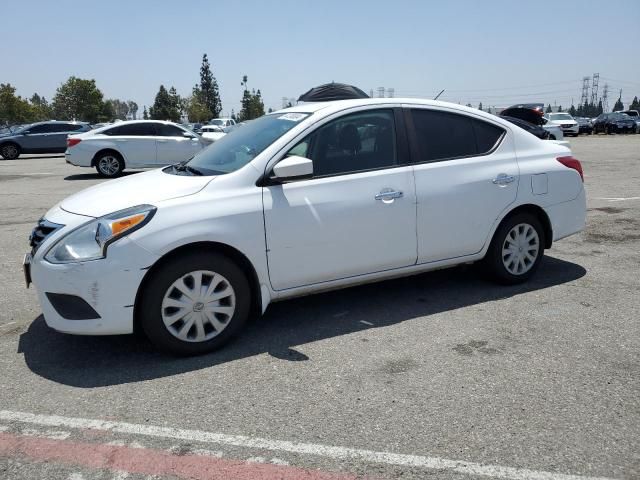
(10, 151)
(109, 164)
(150, 307)
(493, 261)
(552, 136)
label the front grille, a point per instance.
(42, 231)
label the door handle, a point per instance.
(388, 194)
(503, 179)
(121, 140)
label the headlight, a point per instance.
(90, 241)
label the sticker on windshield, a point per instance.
(293, 117)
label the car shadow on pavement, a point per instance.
(88, 362)
(95, 176)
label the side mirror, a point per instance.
(188, 135)
(293, 168)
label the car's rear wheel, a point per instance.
(109, 165)
(195, 303)
(516, 249)
(10, 151)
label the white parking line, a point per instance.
(338, 453)
(617, 199)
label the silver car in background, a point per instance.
(41, 137)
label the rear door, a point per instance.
(466, 174)
(137, 143)
(173, 146)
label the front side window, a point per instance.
(352, 143)
(443, 135)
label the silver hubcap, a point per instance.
(109, 165)
(520, 249)
(198, 306)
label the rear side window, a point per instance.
(169, 130)
(42, 128)
(444, 135)
(134, 129)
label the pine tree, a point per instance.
(560, 108)
(145, 114)
(635, 104)
(164, 107)
(572, 111)
(480, 106)
(618, 105)
(599, 110)
(548, 110)
(210, 95)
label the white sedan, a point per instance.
(211, 133)
(316, 197)
(565, 121)
(132, 144)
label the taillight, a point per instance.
(73, 141)
(571, 162)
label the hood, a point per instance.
(136, 189)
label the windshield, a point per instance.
(217, 121)
(621, 116)
(236, 149)
(560, 116)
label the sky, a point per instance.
(498, 52)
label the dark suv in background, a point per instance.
(42, 137)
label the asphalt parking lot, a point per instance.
(441, 375)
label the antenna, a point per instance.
(438, 96)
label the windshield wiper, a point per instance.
(182, 166)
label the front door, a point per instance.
(355, 216)
(173, 146)
(466, 174)
(137, 142)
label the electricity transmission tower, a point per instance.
(594, 89)
(585, 91)
(390, 92)
(380, 92)
(605, 100)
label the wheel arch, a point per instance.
(107, 150)
(232, 253)
(11, 142)
(532, 209)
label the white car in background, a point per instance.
(132, 144)
(565, 121)
(315, 197)
(222, 122)
(211, 133)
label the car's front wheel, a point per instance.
(109, 165)
(10, 151)
(516, 249)
(194, 303)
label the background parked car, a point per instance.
(584, 125)
(635, 115)
(194, 127)
(222, 122)
(533, 113)
(565, 121)
(41, 137)
(211, 133)
(615, 122)
(132, 144)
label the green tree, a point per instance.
(164, 107)
(635, 104)
(208, 91)
(145, 114)
(252, 104)
(618, 105)
(120, 108)
(197, 111)
(176, 102)
(78, 99)
(572, 111)
(133, 109)
(480, 106)
(107, 113)
(13, 108)
(560, 108)
(40, 107)
(599, 110)
(548, 110)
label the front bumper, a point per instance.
(109, 286)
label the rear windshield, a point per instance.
(244, 143)
(560, 116)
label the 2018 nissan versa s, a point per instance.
(315, 197)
